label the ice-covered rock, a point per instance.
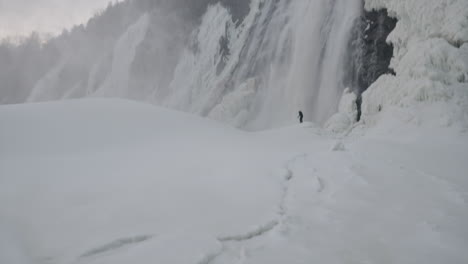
(430, 60)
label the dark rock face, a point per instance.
(370, 54)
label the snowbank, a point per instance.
(347, 114)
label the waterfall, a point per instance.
(251, 63)
(285, 56)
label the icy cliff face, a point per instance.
(430, 61)
(251, 63)
(369, 52)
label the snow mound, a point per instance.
(346, 116)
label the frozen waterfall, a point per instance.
(255, 69)
(284, 56)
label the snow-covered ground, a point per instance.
(114, 181)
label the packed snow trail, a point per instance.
(115, 245)
(380, 201)
(145, 184)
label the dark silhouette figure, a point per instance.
(300, 116)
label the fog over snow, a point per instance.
(21, 17)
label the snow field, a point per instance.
(136, 170)
(145, 184)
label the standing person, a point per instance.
(300, 116)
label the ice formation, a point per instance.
(347, 114)
(430, 61)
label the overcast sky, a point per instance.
(21, 17)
